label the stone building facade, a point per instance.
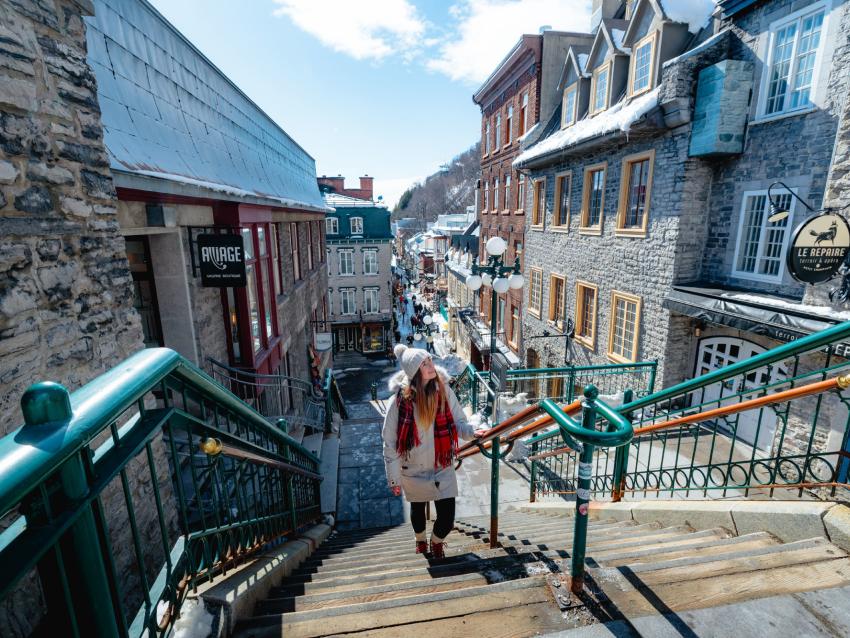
(359, 258)
(652, 238)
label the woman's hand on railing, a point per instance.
(396, 490)
(479, 433)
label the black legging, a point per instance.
(445, 517)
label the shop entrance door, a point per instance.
(144, 289)
(756, 427)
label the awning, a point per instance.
(760, 314)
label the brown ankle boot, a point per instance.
(437, 550)
(421, 547)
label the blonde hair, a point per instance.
(427, 397)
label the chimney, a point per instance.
(603, 9)
(367, 187)
(336, 184)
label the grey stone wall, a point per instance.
(66, 297)
(796, 149)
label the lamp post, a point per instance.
(425, 330)
(501, 278)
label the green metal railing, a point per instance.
(567, 383)
(334, 403)
(141, 485)
(798, 447)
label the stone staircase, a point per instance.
(643, 579)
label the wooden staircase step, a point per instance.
(635, 599)
(796, 553)
(413, 609)
(702, 546)
(367, 594)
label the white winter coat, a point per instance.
(416, 475)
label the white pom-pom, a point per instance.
(399, 350)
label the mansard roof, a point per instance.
(576, 59)
(612, 31)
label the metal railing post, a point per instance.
(621, 459)
(585, 469)
(533, 477)
(47, 406)
(495, 453)
(652, 372)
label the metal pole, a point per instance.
(491, 382)
(47, 406)
(621, 459)
(495, 452)
(533, 478)
(585, 469)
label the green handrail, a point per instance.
(620, 435)
(53, 480)
(811, 342)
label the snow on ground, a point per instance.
(621, 116)
(694, 13)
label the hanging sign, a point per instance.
(324, 341)
(818, 248)
(222, 261)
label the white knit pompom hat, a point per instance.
(410, 359)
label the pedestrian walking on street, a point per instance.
(423, 424)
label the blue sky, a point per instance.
(378, 87)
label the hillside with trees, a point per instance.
(450, 190)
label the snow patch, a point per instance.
(529, 132)
(621, 117)
(697, 49)
(694, 13)
(818, 311)
(194, 622)
(617, 35)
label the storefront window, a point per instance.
(253, 307)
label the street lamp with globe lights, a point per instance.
(502, 278)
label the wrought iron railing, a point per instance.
(275, 396)
(745, 428)
(334, 403)
(146, 482)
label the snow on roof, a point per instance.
(699, 48)
(528, 133)
(617, 36)
(169, 113)
(817, 311)
(346, 201)
(582, 62)
(620, 117)
(694, 13)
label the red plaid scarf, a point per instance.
(445, 432)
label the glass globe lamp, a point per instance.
(516, 281)
(473, 282)
(501, 285)
(496, 246)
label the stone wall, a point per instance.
(66, 296)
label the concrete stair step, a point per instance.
(419, 608)
(705, 546)
(313, 442)
(633, 598)
(329, 456)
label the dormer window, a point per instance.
(599, 89)
(643, 55)
(568, 107)
(356, 225)
(332, 225)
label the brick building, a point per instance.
(511, 105)
(648, 206)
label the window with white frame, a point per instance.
(509, 125)
(568, 107)
(331, 300)
(497, 142)
(599, 95)
(507, 191)
(496, 194)
(794, 46)
(486, 196)
(642, 65)
(761, 246)
(348, 304)
(523, 114)
(346, 262)
(370, 301)
(332, 225)
(356, 225)
(370, 262)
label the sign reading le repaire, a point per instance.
(222, 261)
(818, 248)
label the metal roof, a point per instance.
(169, 114)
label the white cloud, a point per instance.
(363, 29)
(487, 29)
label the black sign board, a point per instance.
(222, 261)
(818, 248)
